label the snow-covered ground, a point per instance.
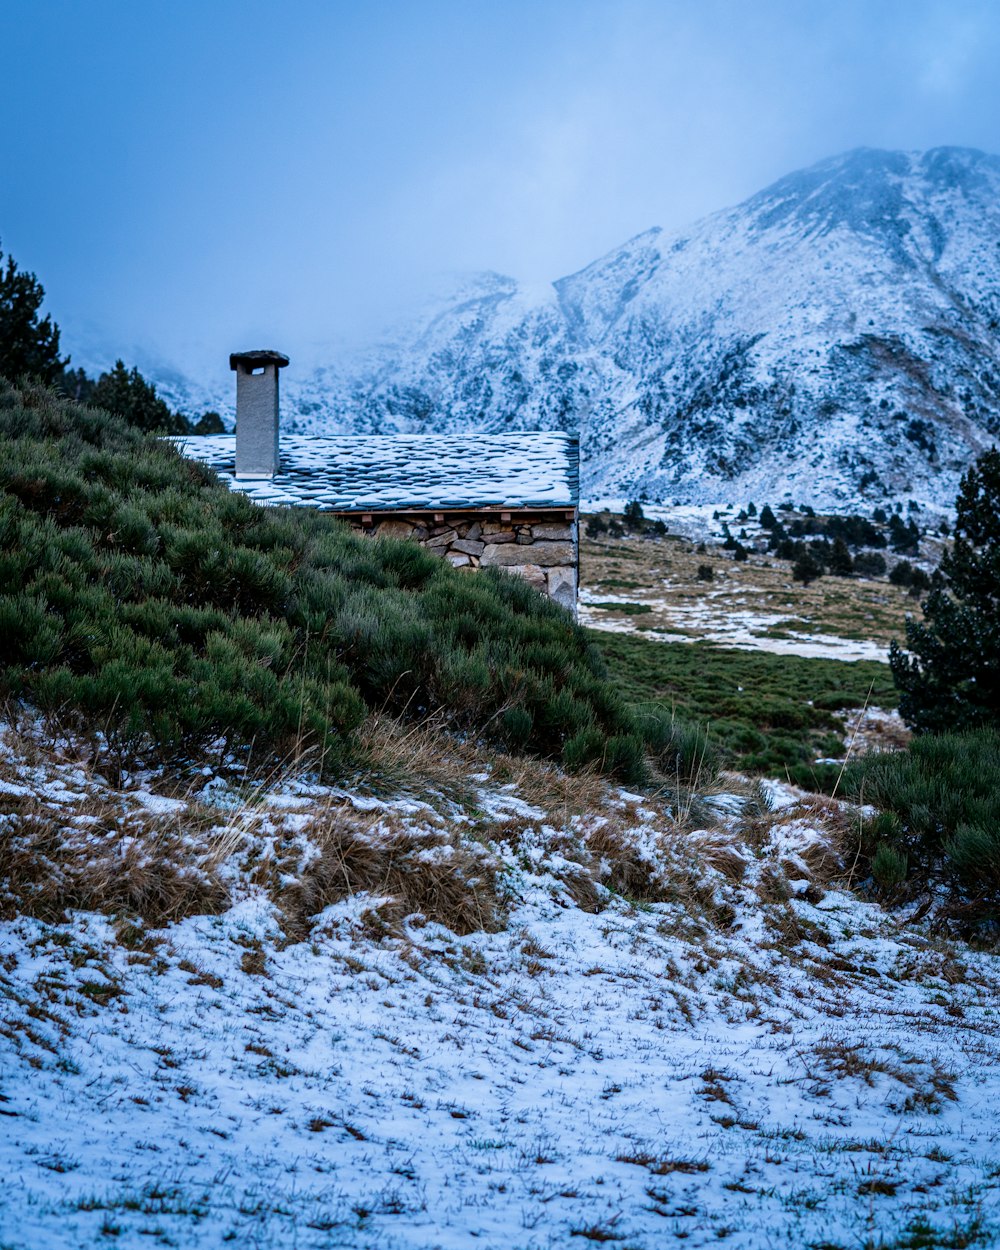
(716, 618)
(739, 1052)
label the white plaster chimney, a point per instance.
(257, 412)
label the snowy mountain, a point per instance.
(833, 339)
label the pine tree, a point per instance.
(633, 514)
(950, 679)
(767, 518)
(209, 423)
(840, 563)
(869, 564)
(76, 384)
(128, 394)
(806, 568)
(29, 344)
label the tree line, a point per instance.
(30, 348)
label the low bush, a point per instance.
(140, 597)
(938, 821)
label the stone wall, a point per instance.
(541, 550)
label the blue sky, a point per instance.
(191, 177)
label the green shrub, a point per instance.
(939, 814)
(889, 867)
(681, 750)
(142, 598)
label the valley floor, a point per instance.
(757, 1058)
(653, 587)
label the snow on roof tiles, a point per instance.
(391, 473)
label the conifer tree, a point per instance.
(950, 677)
(29, 344)
(840, 563)
(806, 568)
(128, 394)
(209, 423)
(633, 514)
(75, 384)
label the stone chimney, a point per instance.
(257, 411)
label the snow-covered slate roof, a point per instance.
(401, 472)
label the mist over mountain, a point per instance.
(834, 338)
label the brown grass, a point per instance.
(90, 846)
(721, 852)
(425, 760)
(431, 873)
(115, 865)
(620, 864)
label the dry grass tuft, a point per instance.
(109, 864)
(426, 760)
(416, 758)
(623, 864)
(720, 852)
(772, 885)
(431, 873)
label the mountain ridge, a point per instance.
(832, 338)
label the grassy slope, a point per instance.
(140, 597)
(772, 714)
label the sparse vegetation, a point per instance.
(766, 713)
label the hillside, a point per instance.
(498, 1006)
(833, 338)
(141, 599)
(431, 987)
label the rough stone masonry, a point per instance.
(544, 553)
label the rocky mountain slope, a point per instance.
(834, 339)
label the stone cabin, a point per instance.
(475, 500)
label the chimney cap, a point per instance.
(257, 358)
